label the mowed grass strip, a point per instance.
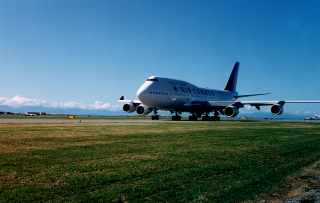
(162, 162)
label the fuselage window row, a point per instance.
(159, 93)
(194, 91)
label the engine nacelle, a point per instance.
(129, 107)
(277, 109)
(231, 111)
(141, 109)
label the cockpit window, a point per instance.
(153, 79)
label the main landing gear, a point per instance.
(193, 117)
(206, 118)
(215, 117)
(176, 117)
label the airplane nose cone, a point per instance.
(142, 92)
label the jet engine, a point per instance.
(141, 109)
(277, 109)
(231, 111)
(129, 107)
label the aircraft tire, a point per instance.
(155, 117)
(216, 118)
(205, 118)
(176, 118)
(193, 118)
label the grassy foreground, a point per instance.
(158, 162)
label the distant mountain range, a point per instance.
(21, 104)
(50, 110)
(267, 115)
(78, 111)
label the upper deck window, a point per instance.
(189, 90)
(153, 79)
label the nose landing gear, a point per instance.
(155, 115)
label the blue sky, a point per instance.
(84, 51)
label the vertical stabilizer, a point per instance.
(232, 82)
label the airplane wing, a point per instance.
(221, 103)
(251, 95)
(127, 101)
(258, 104)
(130, 101)
(281, 102)
(238, 104)
(303, 101)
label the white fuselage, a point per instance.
(172, 94)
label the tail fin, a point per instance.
(232, 82)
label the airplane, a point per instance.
(177, 96)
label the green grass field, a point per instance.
(155, 162)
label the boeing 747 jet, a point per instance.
(177, 96)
